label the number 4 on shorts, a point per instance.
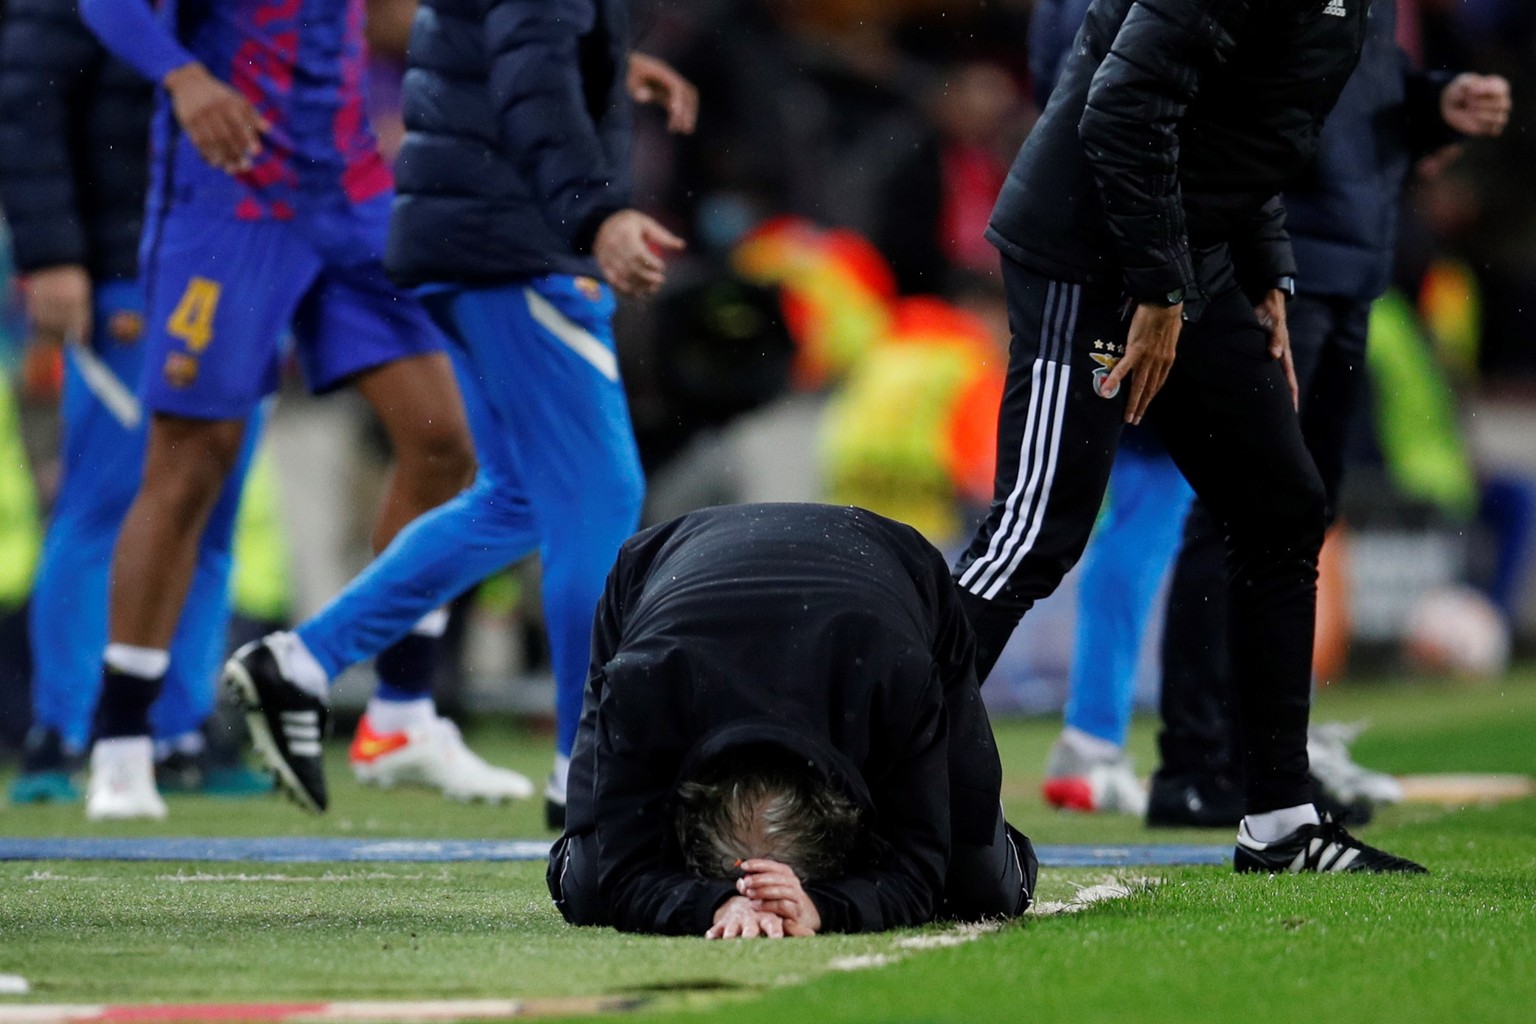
(192, 320)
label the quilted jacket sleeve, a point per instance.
(1130, 131)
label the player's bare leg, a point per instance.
(185, 466)
(418, 403)
(186, 463)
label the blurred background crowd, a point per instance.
(836, 332)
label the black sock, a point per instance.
(123, 709)
(407, 667)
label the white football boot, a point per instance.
(122, 781)
(1079, 781)
(432, 754)
(1328, 752)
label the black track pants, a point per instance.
(1225, 416)
(1328, 343)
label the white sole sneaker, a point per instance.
(433, 756)
(122, 781)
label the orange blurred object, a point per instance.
(1330, 646)
(42, 373)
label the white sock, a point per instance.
(143, 662)
(434, 623)
(1093, 747)
(558, 779)
(1273, 825)
(296, 662)
(400, 715)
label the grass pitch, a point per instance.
(1198, 945)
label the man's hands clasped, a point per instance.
(772, 904)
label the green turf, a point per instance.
(1202, 945)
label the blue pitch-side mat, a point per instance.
(313, 850)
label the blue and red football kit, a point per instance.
(231, 262)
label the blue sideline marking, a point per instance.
(308, 850)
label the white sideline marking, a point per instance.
(957, 936)
(49, 876)
(329, 876)
(1087, 896)
(315, 1012)
(901, 948)
(202, 876)
(862, 963)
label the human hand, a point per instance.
(1149, 352)
(1271, 316)
(1476, 105)
(737, 918)
(625, 248)
(774, 887)
(221, 123)
(653, 80)
(58, 301)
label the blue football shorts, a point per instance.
(223, 294)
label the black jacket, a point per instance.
(1174, 125)
(829, 630)
(74, 143)
(517, 140)
(1342, 214)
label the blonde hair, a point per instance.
(764, 802)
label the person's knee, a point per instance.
(438, 455)
(572, 880)
(188, 461)
(1289, 520)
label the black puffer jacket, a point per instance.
(1342, 214)
(74, 143)
(1173, 125)
(831, 631)
(517, 139)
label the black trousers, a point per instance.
(1328, 343)
(1225, 416)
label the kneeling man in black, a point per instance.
(783, 735)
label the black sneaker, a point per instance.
(1324, 847)
(179, 772)
(554, 815)
(286, 722)
(45, 751)
(48, 769)
(1194, 800)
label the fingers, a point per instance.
(752, 924)
(682, 108)
(654, 234)
(764, 866)
(1111, 386)
(1145, 384)
(227, 133)
(1288, 363)
(1479, 105)
(770, 889)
